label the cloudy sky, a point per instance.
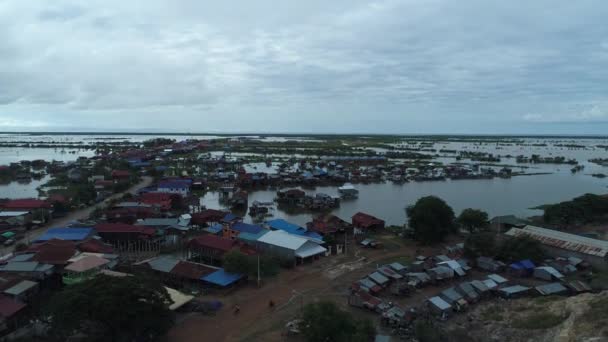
(386, 66)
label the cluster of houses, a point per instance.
(150, 233)
(463, 283)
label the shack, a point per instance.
(515, 291)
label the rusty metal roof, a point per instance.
(563, 240)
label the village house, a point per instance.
(180, 187)
(294, 229)
(14, 219)
(207, 217)
(561, 244)
(364, 223)
(84, 268)
(290, 247)
(40, 210)
(121, 175)
(233, 230)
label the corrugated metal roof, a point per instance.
(20, 266)
(497, 279)
(440, 303)
(21, 287)
(514, 289)
(563, 240)
(23, 257)
(283, 239)
(72, 234)
(163, 264)
(552, 288)
(378, 278)
(309, 249)
(222, 278)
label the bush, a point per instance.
(540, 320)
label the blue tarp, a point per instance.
(247, 228)
(280, 224)
(222, 278)
(71, 234)
(229, 217)
(527, 264)
(215, 229)
(174, 185)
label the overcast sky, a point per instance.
(348, 66)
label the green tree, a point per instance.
(480, 244)
(329, 240)
(431, 219)
(237, 262)
(520, 248)
(473, 220)
(108, 308)
(325, 321)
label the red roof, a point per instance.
(102, 182)
(121, 174)
(122, 228)
(9, 306)
(322, 227)
(56, 198)
(161, 199)
(364, 220)
(26, 203)
(213, 242)
(95, 246)
(54, 251)
(207, 215)
(191, 270)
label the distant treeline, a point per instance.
(584, 209)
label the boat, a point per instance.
(348, 191)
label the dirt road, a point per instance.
(77, 215)
(292, 289)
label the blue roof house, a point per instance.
(69, 234)
(294, 229)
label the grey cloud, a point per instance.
(404, 63)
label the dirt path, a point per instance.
(77, 215)
(290, 291)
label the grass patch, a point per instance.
(597, 315)
(540, 320)
(403, 260)
(494, 313)
(546, 299)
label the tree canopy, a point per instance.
(520, 248)
(237, 262)
(325, 321)
(431, 219)
(110, 308)
(473, 220)
(480, 244)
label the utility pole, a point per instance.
(258, 270)
(345, 236)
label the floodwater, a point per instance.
(496, 196)
(387, 200)
(16, 190)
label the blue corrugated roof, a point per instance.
(71, 234)
(280, 224)
(247, 228)
(174, 185)
(230, 217)
(222, 278)
(252, 237)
